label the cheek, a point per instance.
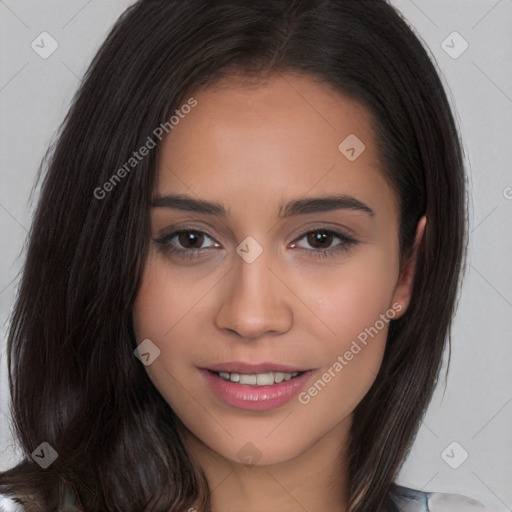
(155, 312)
(354, 304)
(165, 311)
(352, 297)
(165, 296)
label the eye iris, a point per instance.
(319, 237)
(191, 237)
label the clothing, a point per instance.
(410, 500)
(406, 500)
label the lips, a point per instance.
(251, 368)
(255, 386)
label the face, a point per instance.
(271, 308)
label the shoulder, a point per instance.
(411, 500)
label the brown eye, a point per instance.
(190, 239)
(185, 243)
(320, 239)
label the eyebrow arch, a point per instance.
(290, 209)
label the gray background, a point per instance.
(474, 409)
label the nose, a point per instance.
(256, 300)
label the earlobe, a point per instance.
(403, 289)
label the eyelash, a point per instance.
(164, 245)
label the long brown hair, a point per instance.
(74, 380)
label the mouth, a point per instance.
(256, 387)
(258, 379)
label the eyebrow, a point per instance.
(296, 207)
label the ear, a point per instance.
(403, 288)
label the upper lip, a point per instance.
(250, 368)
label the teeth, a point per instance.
(258, 379)
(248, 379)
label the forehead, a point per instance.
(260, 139)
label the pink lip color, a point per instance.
(256, 398)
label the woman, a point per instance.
(264, 369)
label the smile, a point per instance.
(258, 379)
(255, 391)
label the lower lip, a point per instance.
(256, 398)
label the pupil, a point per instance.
(189, 237)
(319, 237)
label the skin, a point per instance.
(251, 145)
